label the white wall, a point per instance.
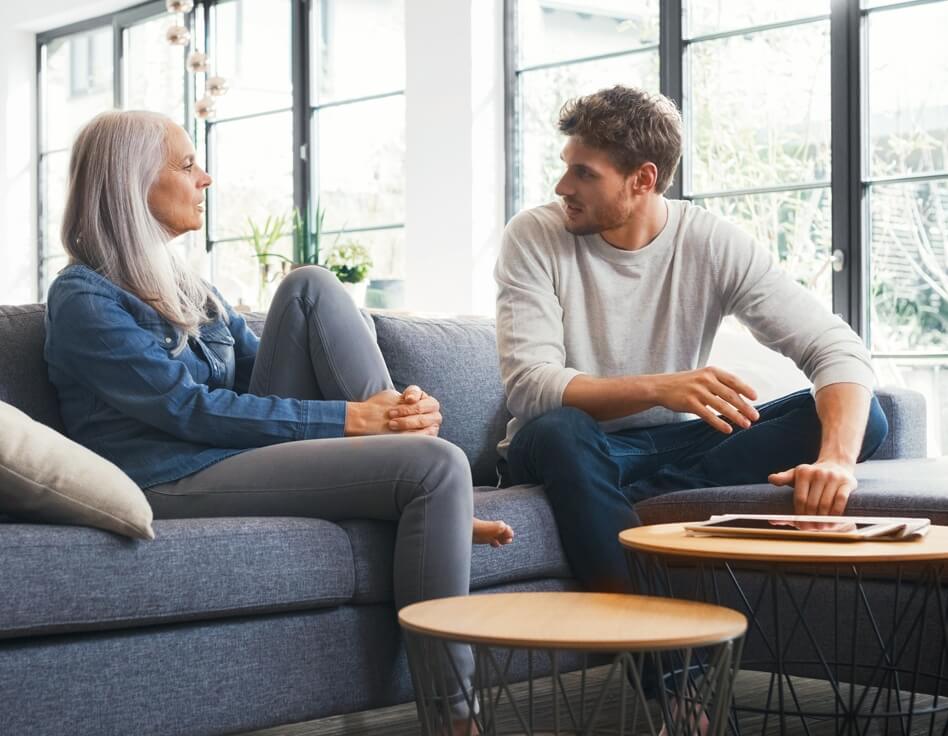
(455, 143)
(454, 94)
(19, 21)
(17, 166)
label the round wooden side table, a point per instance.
(691, 647)
(869, 618)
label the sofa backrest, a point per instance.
(453, 359)
(24, 382)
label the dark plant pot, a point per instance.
(385, 294)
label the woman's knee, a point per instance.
(442, 469)
(311, 282)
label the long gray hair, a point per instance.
(108, 226)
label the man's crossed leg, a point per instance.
(593, 479)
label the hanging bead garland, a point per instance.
(197, 61)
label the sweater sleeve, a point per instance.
(782, 314)
(529, 321)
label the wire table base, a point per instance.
(695, 697)
(884, 656)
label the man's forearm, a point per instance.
(610, 398)
(716, 396)
(843, 409)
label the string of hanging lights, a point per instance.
(197, 61)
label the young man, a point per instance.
(607, 306)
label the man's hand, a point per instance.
(706, 391)
(821, 488)
(824, 487)
(387, 412)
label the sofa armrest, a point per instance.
(905, 409)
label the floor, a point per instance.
(751, 687)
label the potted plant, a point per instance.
(351, 262)
(262, 238)
(305, 242)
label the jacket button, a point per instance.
(167, 339)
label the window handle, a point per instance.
(838, 260)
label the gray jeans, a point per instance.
(316, 346)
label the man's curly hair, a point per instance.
(631, 126)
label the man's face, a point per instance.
(596, 196)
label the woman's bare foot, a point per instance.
(464, 728)
(494, 533)
(700, 725)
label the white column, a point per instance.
(455, 153)
(18, 267)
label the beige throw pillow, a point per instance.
(46, 477)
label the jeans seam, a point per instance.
(424, 543)
(265, 390)
(270, 489)
(313, 315)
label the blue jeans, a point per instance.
(593, 479)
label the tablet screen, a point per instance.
(807, 526)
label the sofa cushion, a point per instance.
(61, 579)
(47, 478)
(454, 360)
(535, 552)
(24, 382)
(906, 413)
(886, 488)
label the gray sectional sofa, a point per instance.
(229, 625)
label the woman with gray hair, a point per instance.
(157, 373)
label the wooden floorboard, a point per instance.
(752, 689)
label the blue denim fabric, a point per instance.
(594, 479)
(161, 416)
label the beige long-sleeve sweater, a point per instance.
(570, 304)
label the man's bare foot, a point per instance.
(494, 533)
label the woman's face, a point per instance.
(176, 199)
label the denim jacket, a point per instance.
(125, 395)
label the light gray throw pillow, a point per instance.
(46, 477)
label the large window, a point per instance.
(313, 121)
(78, 78)
(905, 183)
(565, 49)
(76, 82)
(768, 146)
(757, 101)
(249, 143)
(358, 127)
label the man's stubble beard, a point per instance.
(615, 214)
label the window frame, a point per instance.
(862, 180)
(119, 21)
(304, 111)
(849, 185)
(312, 111)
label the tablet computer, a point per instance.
(794, 526)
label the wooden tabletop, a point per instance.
(583, 621)
(671, 539)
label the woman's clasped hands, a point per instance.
(412, 411)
